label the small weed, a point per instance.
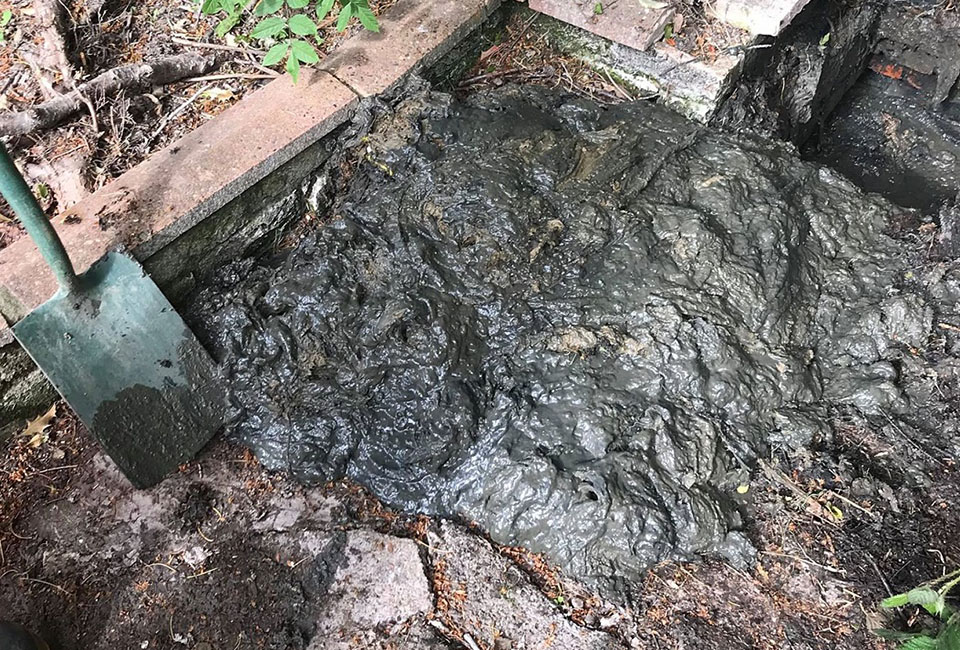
(287, 27)
(5, 19)
(598, 9)
(932, 597)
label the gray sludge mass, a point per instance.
(573, 325)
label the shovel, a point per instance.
(118, 353)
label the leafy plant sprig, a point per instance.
(287, 28)
(932, 597)
(5, 19)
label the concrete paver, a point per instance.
(633, 23)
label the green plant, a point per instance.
(5, 19)
(932, 597)
(233, 10)
(287, 27)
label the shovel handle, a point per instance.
(15, 190)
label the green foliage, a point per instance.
(5, 19)
(287, 28)
(932, 597)
(233, 10)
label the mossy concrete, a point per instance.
(691, 87)
(24, 390)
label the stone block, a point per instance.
(766, 17)
(631, 22)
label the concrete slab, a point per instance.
(759, 17)
(176, 188)
(634, 23)
(381, 586)
(413, 34)
(689, 86)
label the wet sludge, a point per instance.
(576, 326)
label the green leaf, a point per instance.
(323, 8)
(304, 52)
(5, 18)
(227, 24)
(950, 636)
(267, 7)
(343, 18)
(276, 53)
(922, 596)
(269, 27)
(302, 26)
(297, 4)
(210, 7)
(922, 642)
(935, 608)
(895, 601)
(293, 67)
(367, 18)
(824, 39)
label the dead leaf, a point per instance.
(218, 94)
(37, 429)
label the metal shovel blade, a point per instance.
(122, 357)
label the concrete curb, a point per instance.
(176, 188)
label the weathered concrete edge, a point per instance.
(691, 87)
(372, 66)
(235, 188)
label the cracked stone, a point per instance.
(381, 585)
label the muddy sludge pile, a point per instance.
(575, 326)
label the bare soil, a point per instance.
(224, 554)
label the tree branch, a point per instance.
(138, 77)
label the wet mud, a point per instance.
(897, 132)
(888, 138)
(580, 327)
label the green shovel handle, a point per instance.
(15, 190)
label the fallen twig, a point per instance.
(177, 111)
(137, 77)
(236, 75)
(215, 46)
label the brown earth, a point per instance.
(224, 554)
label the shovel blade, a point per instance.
(127, 364)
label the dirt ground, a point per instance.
(224, 554)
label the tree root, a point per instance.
(138, 77)
(52, 49)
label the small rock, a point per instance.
(502, 644)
